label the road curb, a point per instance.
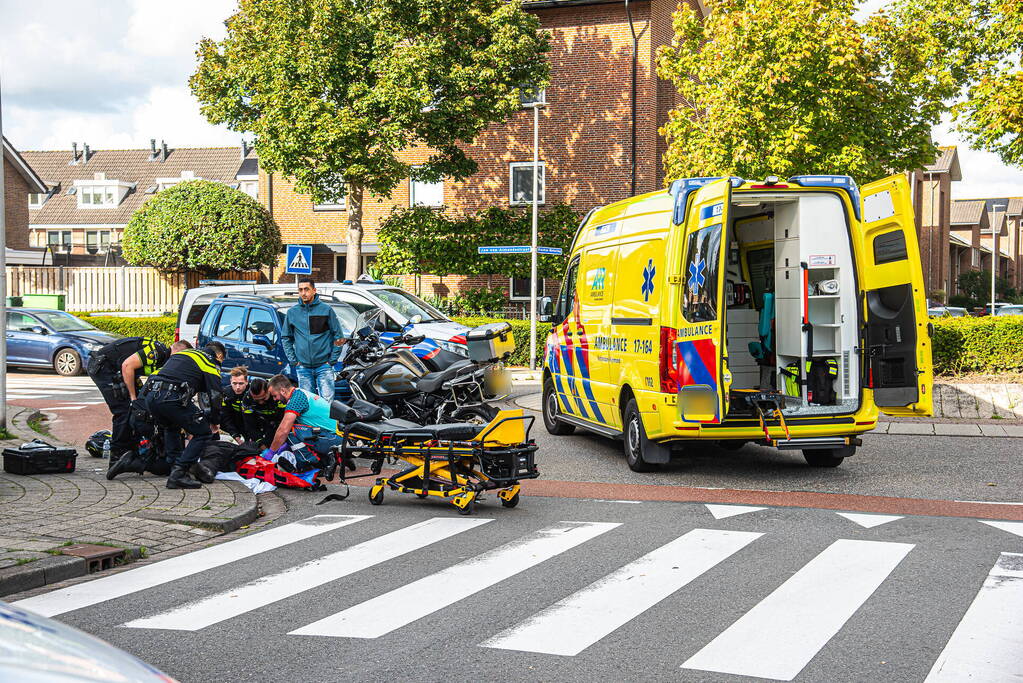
(241, 515)
(40, 573)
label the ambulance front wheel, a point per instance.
(550, 412)
(828, 457)
(635, 440)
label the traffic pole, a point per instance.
(532, 251)
(3, 279)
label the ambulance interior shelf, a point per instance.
(776, 244)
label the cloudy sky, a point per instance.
(114, 73)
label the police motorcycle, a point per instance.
(394, 378)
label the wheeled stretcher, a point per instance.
(457, 462)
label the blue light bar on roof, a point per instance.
(841, 181)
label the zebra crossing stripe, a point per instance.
(134, 580)
(780, 636)
(377, 617)
(987, 645)
(214, 609)
(580, 620)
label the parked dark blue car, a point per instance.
(249, 326)
(47, 338)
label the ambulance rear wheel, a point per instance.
(635, 436)
(550, 412)
(828, 457)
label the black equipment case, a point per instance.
(39, 457)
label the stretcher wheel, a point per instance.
(469, 508)
(376, 495)
(511, 502)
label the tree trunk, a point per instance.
(353, 259)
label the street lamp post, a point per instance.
(533, 243)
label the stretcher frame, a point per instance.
(497, 458)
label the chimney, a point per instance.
(163, 144)
(87, 153)
(74, 153)
(153, 154)
(245, 149)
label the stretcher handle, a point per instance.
(481, 437)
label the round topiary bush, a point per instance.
(204, 226)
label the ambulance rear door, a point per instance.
(896, 332)
(699, 340)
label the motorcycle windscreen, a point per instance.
(699, 344)
(897, 339)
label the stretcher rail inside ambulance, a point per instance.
(783, 312)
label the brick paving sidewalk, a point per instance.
(43, 513)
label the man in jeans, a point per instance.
(310, 332)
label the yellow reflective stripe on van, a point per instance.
(202, 361)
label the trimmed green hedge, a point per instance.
(161, 328)
(989, 345)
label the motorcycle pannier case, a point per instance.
(490, 343)
(39, 457)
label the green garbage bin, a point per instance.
(55, 301)
(14, 301)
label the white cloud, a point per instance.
(112, 74)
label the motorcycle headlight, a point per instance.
(454, 347)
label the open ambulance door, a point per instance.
(896, 340)
(699, 346)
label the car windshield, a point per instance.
(63, 322)
(409, 305)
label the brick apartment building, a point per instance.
(20, 183)
(932, 204)
(586, 139)
(91, 194)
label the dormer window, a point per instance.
(164, 183)
(37, 199)
(100, 192)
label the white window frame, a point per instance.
(335, 205)
(975, 257)
(60, 242)
(412, 193)
(37, 199)
(114, 189)
(511, 289)
(249, 186)
(542, 186)
(100, 248)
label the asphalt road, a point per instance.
(577, 590)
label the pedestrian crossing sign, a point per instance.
(300, 259)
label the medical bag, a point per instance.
(39, 457)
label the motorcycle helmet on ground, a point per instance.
(94, 444)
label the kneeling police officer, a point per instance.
(116, 368)
(168, 397)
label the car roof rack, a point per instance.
(247, 297)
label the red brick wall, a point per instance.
(935, 205)
(16, 213)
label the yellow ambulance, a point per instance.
(781, 312)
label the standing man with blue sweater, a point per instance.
(310, 332)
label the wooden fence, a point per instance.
(129, 289)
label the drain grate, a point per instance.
(97, 557)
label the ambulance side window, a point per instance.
(567, 296)
(700, 274)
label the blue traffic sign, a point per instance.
(549, 250)
(300, 259)
(504, 250)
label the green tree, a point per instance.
(976, 284)
(786, 87)
(204, 226)
(426, 241)
(335, 90)
(976, 45)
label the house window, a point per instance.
(333, 203)
(97, 241)
(250, 187)
(164, 183)
(521, 183)
(520, 288)
(98, 196)
(529, 96)
(975, 257)
(59, 239)
(423, 193)
(37, 199)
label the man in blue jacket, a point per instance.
(310, 331)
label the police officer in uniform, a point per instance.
(116, 369)
(262, 412)
(169, 395)
(233, 418)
